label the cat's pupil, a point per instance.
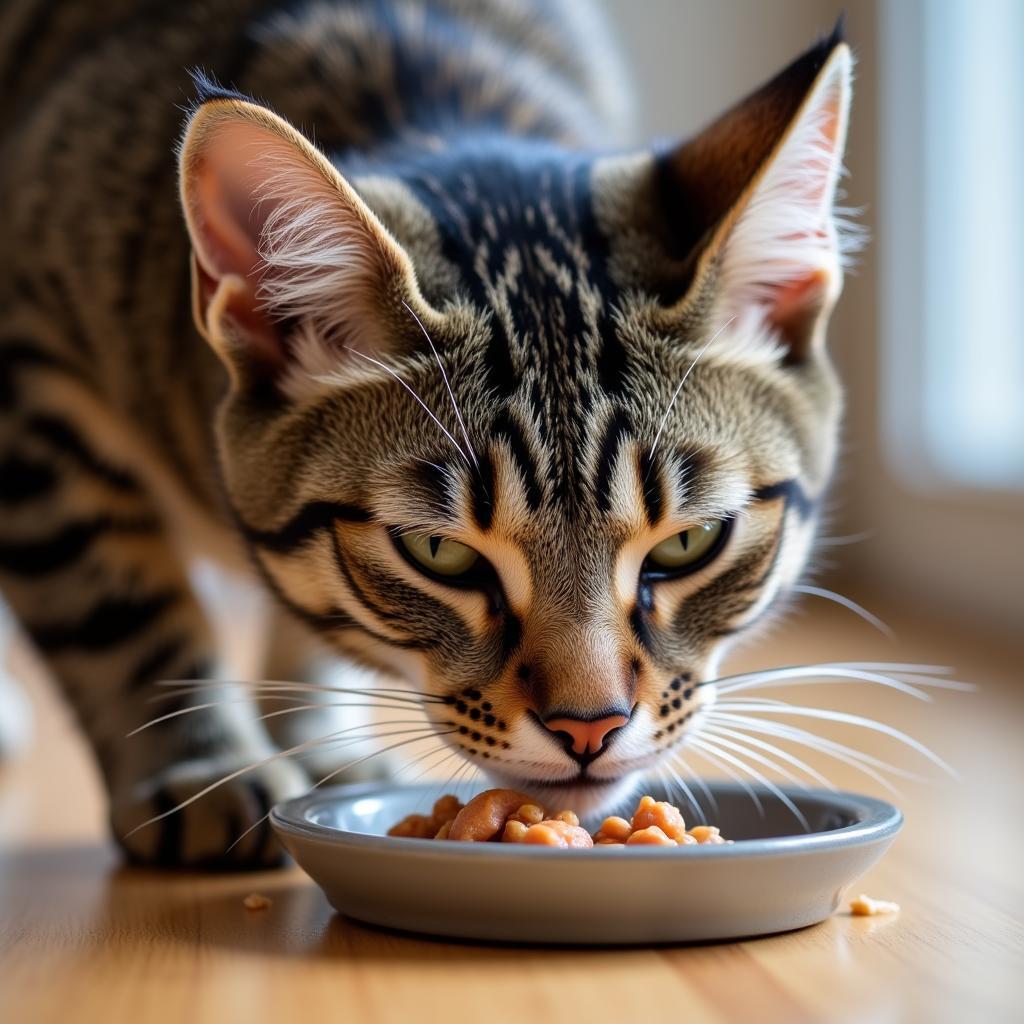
(435, 543)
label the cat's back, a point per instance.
(91, 109)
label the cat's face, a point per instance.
(548, 444)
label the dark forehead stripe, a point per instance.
(432, 478)
(516, 218)
(615, 432)
(650, 481)
(482, 491)
(506, 427)
(692, 475)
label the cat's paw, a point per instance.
(205, 834)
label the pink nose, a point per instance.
(587, 737)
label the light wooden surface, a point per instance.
(82, 939)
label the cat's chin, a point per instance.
(588, 797)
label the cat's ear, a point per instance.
(757, 190)
(281, 241)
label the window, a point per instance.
(952, 241)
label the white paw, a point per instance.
(15, 711)
(221, 829)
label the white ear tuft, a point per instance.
(282, 244)
(321, 259)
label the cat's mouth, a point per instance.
(582, 793)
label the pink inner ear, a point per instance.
(793, 301)
(229, 211)
(231, 208)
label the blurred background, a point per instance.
(928, 333)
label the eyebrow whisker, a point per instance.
(679, 387)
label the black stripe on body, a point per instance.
(506, 427)
(22, 480)
(108, 623)
(15, 354)
(303, 526)
(156, 662)
(615, 432)
(69, 443)
(38, 557)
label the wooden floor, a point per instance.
(83, 939)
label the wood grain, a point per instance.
(84, 939)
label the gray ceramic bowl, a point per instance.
(770, 880)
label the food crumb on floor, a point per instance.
(865, 906)
(256, 901)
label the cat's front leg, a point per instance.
(88, 567)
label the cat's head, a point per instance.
(540, 431)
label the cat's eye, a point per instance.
(439, 555)
(686, 551)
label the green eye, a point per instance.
(686, 550)
(439, 554)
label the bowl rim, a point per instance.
(875, 820)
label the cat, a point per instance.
(535, 424)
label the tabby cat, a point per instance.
(536, 425)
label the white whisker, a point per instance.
(679, 387)
(850, 538)
(848, 755)
(316, 785)
(722, 730)
(699, 783)
(185, 686)
(757, 776)
(685, 789)
(271, 714)
(848, 603)
(423, 405)
(451, 394)
(824, 675)
(701, 750)
(746, 749)
(299, 748)
(846, 719)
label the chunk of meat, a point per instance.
(652, 835)
(555, 832)
(485, 815)
(650, 812)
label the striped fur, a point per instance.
(451, 312)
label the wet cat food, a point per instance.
(507, 816)
(865, 906)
